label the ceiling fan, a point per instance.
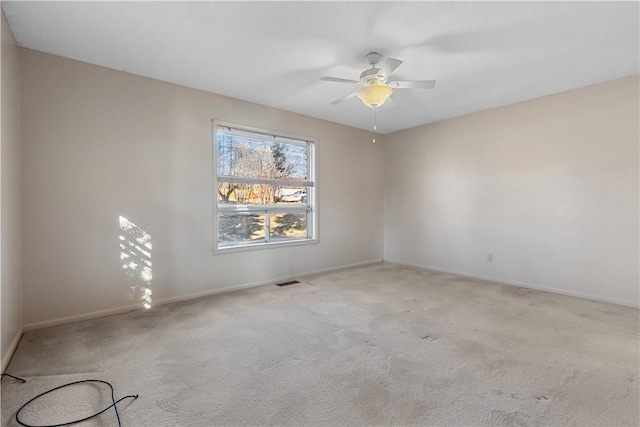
(376, 86)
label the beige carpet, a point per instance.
(375, 345)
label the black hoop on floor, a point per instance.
(14, 377)
(114, 405)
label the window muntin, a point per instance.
(265, 190)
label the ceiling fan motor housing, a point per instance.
(370, 76)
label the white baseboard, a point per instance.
(260, 283)
(79, 317)
(521, 284)
(8, 354)
(134, 307)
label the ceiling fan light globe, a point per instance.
(374, 95)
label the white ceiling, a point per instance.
(482, 54)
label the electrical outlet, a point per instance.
(489, 257)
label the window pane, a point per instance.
(286, 226)
(241, 228)
(261, 158)
(238, 193)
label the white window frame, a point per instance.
(311, 184)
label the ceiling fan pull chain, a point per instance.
(375, 127)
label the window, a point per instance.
(265, 189)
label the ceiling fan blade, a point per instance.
(338, 80)
(412, 84)
(344, 98)
(388, 67)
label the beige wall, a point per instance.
(548, 186)
(99, 144)
(10, 267)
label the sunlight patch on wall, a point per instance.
(135, 258)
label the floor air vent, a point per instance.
(292, 282)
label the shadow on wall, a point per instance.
(135, 258)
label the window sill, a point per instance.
(263, 246)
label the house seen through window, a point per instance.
(265, 189)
